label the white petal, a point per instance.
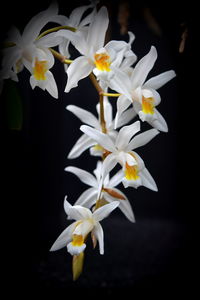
(116, 179)
(76, 38)
(122, 104)
(97, 29)
(124, 205)
(35, 25)
(98, 232)
(101, 138)
(83, 175)
(85, 116)
(108, 164)
(158, 81)
(125, 134)
(87, 198)
(49, 40)
(51, 86)
(79, 69)
(102, 212)
(121, 83)
(126, 117)
(142, 139)
(77, 14)
(76, 212)
(148, 181)
(83, 143)
(159, 122)
(143, 68)
(64, 238)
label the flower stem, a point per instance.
(60, 57)
(54, 29)
(102, 119)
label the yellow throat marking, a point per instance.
(131, 172)
(148, 105)
(77, 240)
(40, 69)
(102, 61)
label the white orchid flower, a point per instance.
(109, 192)
(94, 56)
(141, 94)
(85, 222)
(85, 142)
(32, 53)
(120, 56)
(135, 172)
(76, 21)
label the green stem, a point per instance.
(54, 29)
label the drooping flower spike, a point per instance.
(120, 151)
(109, 192)
(73, 237)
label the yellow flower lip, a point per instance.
(40, 69)
(148, 105)
(78, 240)
(131, 172)
(102, 61)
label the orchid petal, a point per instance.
(101, 138)
(35, 25)
(49, 40)
(76, 38)
(122, 104)
(97, 29)
(83, 143)
(76, 212)
(98, 232)
(126, 117)
(84, 115)
(87, 198)
(158, 81)
(83, 175)
(116, 179)
(108, 164)
(147, 180)
(143, 67)
(51, 86)
(121, 83)
(158, 122)
(102, 212)
(64, 238)
(142, 139)
(125, 134)
(79, 69)
(124, 205)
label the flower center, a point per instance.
(77, 240)
(102, 61)
(40, 69)
(131, 172)
(148, 105)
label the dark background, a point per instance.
(155, 254)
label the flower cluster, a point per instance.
(112, 66)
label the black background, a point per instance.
(156, 253)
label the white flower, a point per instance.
(141, 94)
(85, 142)
(94, 56)
(109, 192)
(120, 56)
(135, 173)
(32, 53)
(85, 222)
(76, 21)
